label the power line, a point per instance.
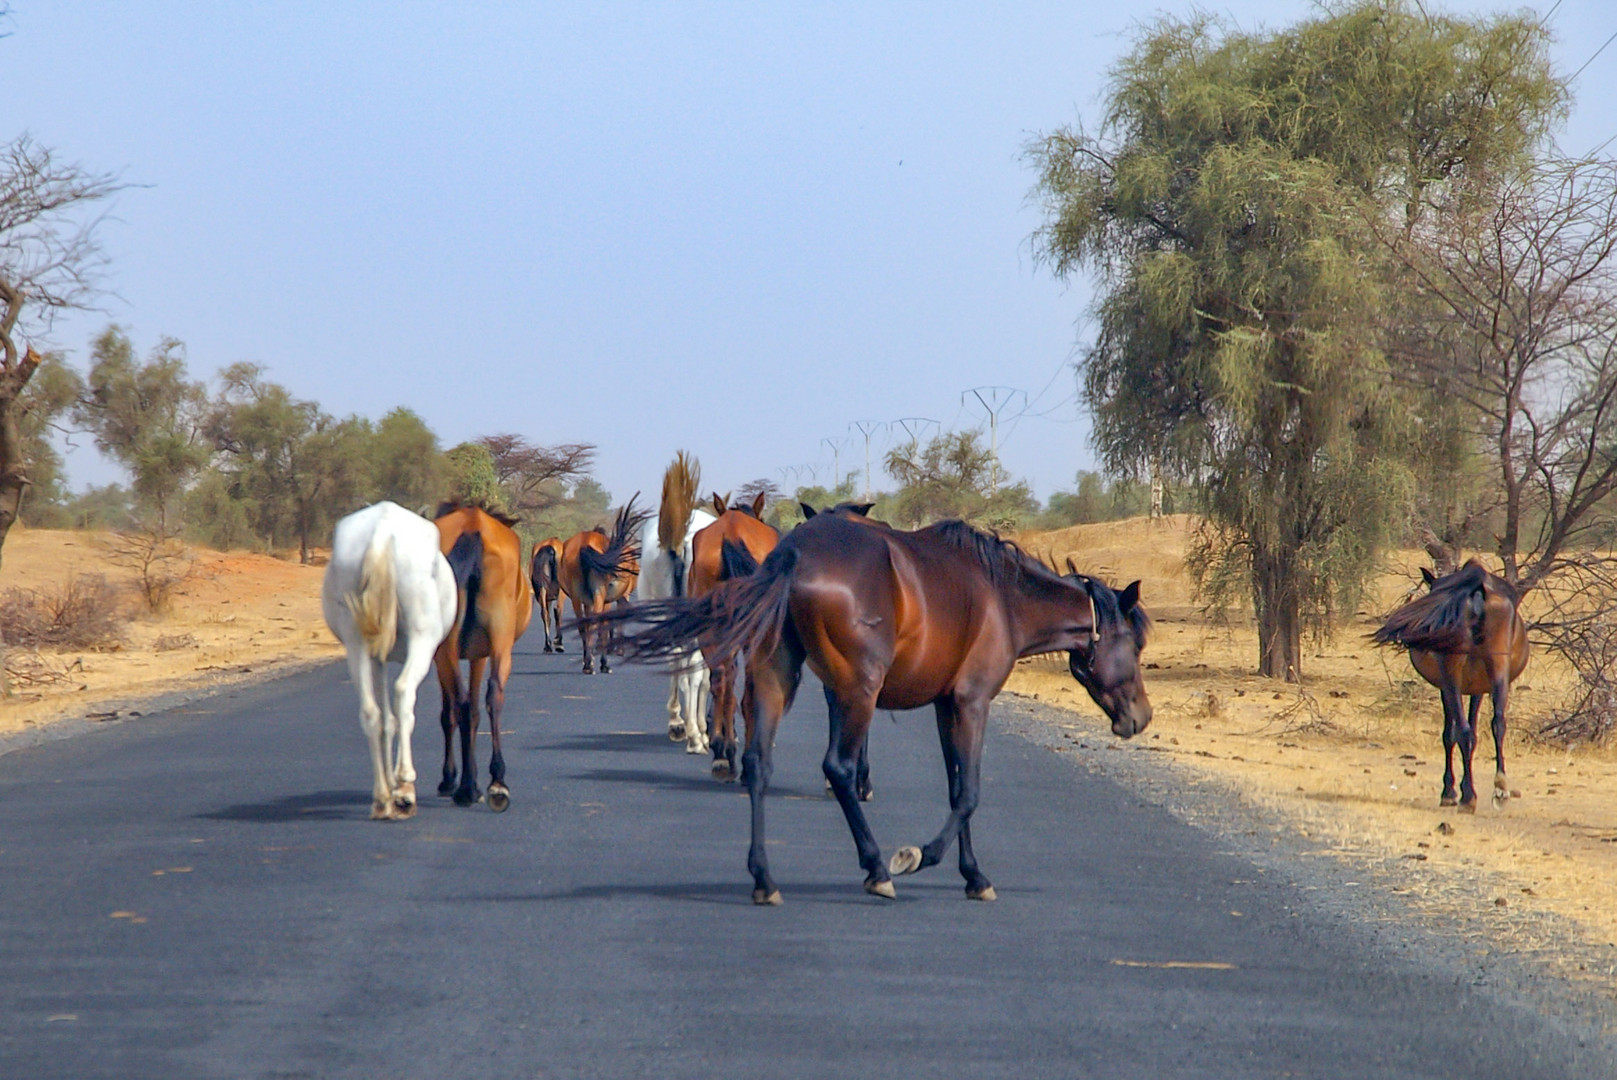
(1591, 59)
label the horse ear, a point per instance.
(758, 504)
(808, 511)
(1427, 576)
(1072, 567)
(1128, 597)
(718, 504)
(863, 509)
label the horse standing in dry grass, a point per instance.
(598, 570)
(388, 594)
(1465, 636)
(494, 608)
(730, 548)
(545, 573)
(897, 620)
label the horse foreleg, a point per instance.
(545, 619)
(722, 727)
(961, 727)
(468, 793)
(771, 696)
(555, 607)
(449, 713)
(499, 796)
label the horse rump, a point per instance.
(466, 563)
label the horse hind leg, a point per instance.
(1467, 743)
(769, 697)
(362, 669)
(721, 727)
(849, 730)
(1451, 725)
(1501, 691)
(499, 796)
(468, 793)
(448, 714)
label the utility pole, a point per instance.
(836, 446)
(994, 400)
(915, 426)
(867, 428)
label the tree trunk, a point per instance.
(1156, 488)
(1274, 602)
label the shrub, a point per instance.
(84, 612)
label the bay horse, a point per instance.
(665, 560)
(748, 539)
(545, 572)
(896, 620)
(494, 607)
(1465, 637)
(597, 570)
(388, 594)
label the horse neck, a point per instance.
(1042, 614)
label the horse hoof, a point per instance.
(766, 899)
(722, 771)
(1448, 800)
(985, 894)
(883, 888)
(468, 796)
(381, 811)
(1469, 807)
(499, 798)
(676, 732)
(906, 860)
(867, 794)
(548, 649)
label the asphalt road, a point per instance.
(200, 894)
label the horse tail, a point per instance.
(1448, 619)
(622, 554)
(680, 484)
(543, 572)
(375, 607)
(743, 615)
(735, 561)
(466, 563)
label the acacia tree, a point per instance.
(953, 476)
(1222, 207)
(535, 478)
(49, 261)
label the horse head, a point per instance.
(1108, 666)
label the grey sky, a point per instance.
(727, 228)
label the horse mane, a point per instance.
(1004, 561)
(1437, 621)
(680, 484)
(449, 506)
(1109, 611)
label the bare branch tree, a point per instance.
(50, 261)
(533, 476)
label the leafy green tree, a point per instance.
(109, 507)
(46, 399)
(406, 464)
(146, 416)
(952, 476)
(471, 476)
(1223, 207)
(571, 510)
(296, 466)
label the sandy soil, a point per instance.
(238, 617)
(1353, 760)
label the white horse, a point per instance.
(388, 595)
(665, 561)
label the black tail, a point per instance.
(622, 549)
(466, 562)
(743, 615)
(1447, 619)
(735, 561)
(543, 572)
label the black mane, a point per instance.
(1007, 565)
(1437, 621)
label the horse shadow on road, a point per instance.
(722, 893)
(312, 805)
(687, 782)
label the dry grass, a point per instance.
(83, 612)
(1352, 761)
(235, 618)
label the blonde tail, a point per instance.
(375, 607)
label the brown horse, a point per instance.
(1464, 636)
(740, 534)
(896, 620)
(545, 572)
(597, 570)
(494, 604)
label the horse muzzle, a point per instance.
(1132, 720)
